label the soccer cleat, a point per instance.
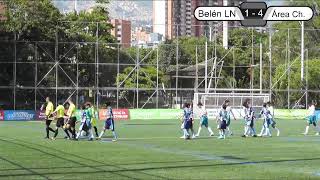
(244, 136)
(193, 136)
(220, 137)
(197, 135)
(114, 140)
(91, 139)
(317, 134)
(182, 137)
(53, 138)
(212, 134)
(254, 136)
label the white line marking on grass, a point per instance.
(197, 154)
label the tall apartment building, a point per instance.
(122, 31)
(176, 17)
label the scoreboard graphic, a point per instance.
(253, 14)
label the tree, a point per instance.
(280, 81)
(147, 79)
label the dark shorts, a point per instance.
(109, 124)
(60, 122)
(223, 124)
(72, 121)
(188, 124)
(48, 122)
(273, 123)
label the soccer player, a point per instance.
(266, 114)
(60, 120)
(85, 125)
(72, 119)
(109, 123)
(49, 110)
(248, 115)
(273, 122)
(312, 119)
(203, 120)
(94, 119)
(230, 112)
(222, 120)
(187, 120)
(192, 121)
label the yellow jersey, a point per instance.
(49, 108)
(60, 111)
(72, 110)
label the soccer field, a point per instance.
(151, 149)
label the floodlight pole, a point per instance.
(206, 68)
(118, 72)
(157, 100)
(15, 72)
(177, 64)
(288, 61)
(35, 76)
(137, 78)
(270, 64)
(197, 74)
(56, 61)
(302, 52)
(261, 67)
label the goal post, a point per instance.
(213, 101)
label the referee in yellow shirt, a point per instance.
(60, 119)
(49, 109)
(72, 118)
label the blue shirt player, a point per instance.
(187, 120)
(85, 125)
(267, 120)
(109, 123)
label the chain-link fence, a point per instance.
(162, 76)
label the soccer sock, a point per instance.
(78, 135)
(229, 131)
(114, 134)
(101, 134)
(51, 129)
(96, 131)
(307, 130)
(66, 131)
(253, 131)
(56, 133)
(199, 130)
(245, 130)
(185, 132)
(210, 130)
(47, 131)
(248, 131)
(278, 131)
(268, 133)
(91, 134)
(262, 131)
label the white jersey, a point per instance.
(202, 112)
(270, 108)
(312, 110)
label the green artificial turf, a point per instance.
(152, 149)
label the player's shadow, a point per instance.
(153, 124)
(121, 170)
(97, 169)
